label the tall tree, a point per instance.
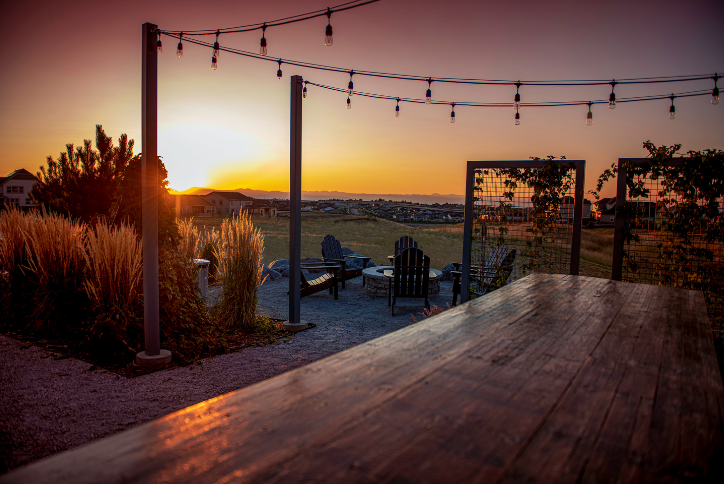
(83, 181)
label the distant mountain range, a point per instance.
(326, 195)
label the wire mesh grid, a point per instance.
(508, 223)
(655, 256)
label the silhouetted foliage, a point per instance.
(102, 184)
(83, 181)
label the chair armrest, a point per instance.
(326, 267)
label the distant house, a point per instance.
(567, 209)
(16, 189)
(263, 208)
(604, 210)
(193, 205)
(229, 203)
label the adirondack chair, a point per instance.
(405, 242)
(332, 252)
(500, 260)
(411, 276)
(328, 280)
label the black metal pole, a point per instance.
(467, 232)
(295, 200)
(617, 268)
(153, 356)
(577, 217)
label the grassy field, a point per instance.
(376, 239)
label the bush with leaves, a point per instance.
(689, 215)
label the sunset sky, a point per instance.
(68, 66)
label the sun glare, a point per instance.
(191, 151)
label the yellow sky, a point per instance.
(79, 65)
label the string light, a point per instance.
(349, 103)
(159, 45)
(612, 97)
(180, 46)
(262, 49)
(589, 117)
(216, 52)
(672, 109)
(350, 86)
(428, 94)
(304, 91)
(452, 113)
(517, 95)
(279, 71)
(328, 32)
(517, 117)
(397, 108)
(715, 92)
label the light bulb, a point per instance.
(350, 88)
(180, 50)
(517, 119)
(216, 49)
(328, 40)
(397, 111)
(612, 101)
(262, 43)
(428, 97)
(589, 119)
(349, 104)
(452, 117)
(517, 101)
(279, 71)
(672, 112)
(304, 92)
(213, 62)
(715, 96)
(159, 45)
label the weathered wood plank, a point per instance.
(551, 378)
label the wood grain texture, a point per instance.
(549, 379)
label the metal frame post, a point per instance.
(577, 217)
(153, 356)
(467, 231)
(617, 263)
(295, 203)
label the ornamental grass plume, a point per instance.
(13, 260)
(189, 243)
(239, 254)
(55, 266)
(114, 282)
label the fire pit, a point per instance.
(377, 285)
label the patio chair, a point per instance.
(500, 261)
(328, 280)
(405, 242)
(410, 277)
(332, 252)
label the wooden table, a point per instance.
(552, 378)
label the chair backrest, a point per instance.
(496, 257)
(412, 273)
(405, 242)
(331, 248)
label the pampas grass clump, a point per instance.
(239, 253)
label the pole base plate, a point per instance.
(153, 362)
(301, 325)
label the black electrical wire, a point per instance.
(273, 23)
(503, 105)
(454, 80)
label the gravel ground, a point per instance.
(49, 405)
